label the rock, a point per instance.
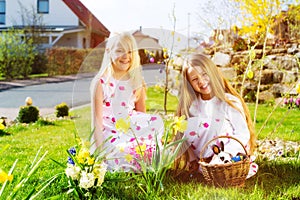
(221, 59)
(229, 73)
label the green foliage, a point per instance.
(28, 114)
(62, 110)
(16, 54)
(294, 21)
(62, 60)
(275, 179)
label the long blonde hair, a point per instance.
(219, 86)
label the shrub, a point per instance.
(239, 45)
(62, 110)
(28, 114)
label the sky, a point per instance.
(127, 15)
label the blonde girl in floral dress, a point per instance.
(213, 108)
(118, 96)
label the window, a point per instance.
(43, 6)
(2, 11)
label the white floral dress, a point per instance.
(119, 102)
(212, 118)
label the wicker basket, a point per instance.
(225, 175)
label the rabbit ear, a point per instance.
(216, 149)
(222, 145)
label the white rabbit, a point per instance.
(220, 156)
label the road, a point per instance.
(47, 96)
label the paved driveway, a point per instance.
(46, 95)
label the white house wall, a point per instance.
(73, 40)
(59, 13)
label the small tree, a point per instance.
(16, 54)
(257, 19)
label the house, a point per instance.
(65, 23)
(146, 42)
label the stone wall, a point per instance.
(280, 71)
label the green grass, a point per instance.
(275, 179)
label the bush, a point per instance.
(62, 110)
(28, 114)
(239, 45)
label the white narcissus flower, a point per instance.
(73, 171)
(86, 180)
(99, 172)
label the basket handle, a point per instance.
(221, 136)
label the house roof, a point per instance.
(145, 41)
(87, 17)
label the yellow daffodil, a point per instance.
(5, 177)
(298, 88)
(123, 125)
(128, 157)
(90, 161)
(2, 127)
(180, 124)
(140, 149)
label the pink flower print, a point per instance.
(122, 88)
(123, 104)
(138, 128)
(217, 120)
(101, 81)
(131, 139)
(107, 104)
(112, 140)
(153, 118)
(113, 131)
(117, 161)
(192, 133)
(150, 137)
(113, 120)
(111, 84)
(205, 125)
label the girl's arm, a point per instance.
(98, 120)
(239, 125)
(140, 104)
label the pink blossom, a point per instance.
(113, 120)
(205, 125)
(138, 128)
(153, 118)
(112, 140)
(131, 139)
(101, 81)
(123, 103)
(107, 104)
(121, 88)
(111, 84)
(192, 133)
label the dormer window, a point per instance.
(43, 6)
(2, 11)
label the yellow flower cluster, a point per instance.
(298, 88)
(123, 125)
(180, 124)
(2, 127)
(84, 156)
(5, 177)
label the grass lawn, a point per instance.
(278, 179)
